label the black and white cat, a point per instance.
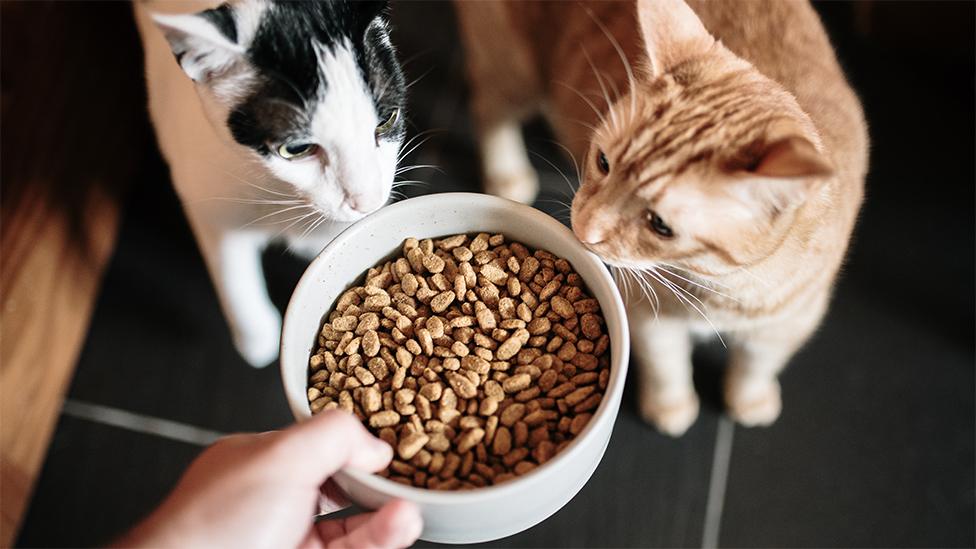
(289, 126)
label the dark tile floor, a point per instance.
(875, 445)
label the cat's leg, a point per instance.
(506, 168)
(752, 389)
(504, 89)
(661, 350)
(233, 258)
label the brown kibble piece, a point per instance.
(386, 418)
(516, 383)
(475, 358)
(578, 423)
(469, 439)
(503, 442)
(411, 444)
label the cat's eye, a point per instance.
(385, 127)
(294, 151)
(658, 225)
(602, 163)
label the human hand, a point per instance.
(263, 490)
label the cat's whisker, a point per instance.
(576, 164)
(406, 62)
(305, 226)
(254, 185)
(563, 214)
(689, 281)
(586, 125)
(315, 225)
(623, 58)
(586, 100)
(674, 289)
(692, 273)
(599, 79)
(572, 190)
(274, 213)
(295, 222)
(405, 169)
(293, 218)
(648, 291)
(620, 279)
(613, 87)
(309, 227)
(255, 201)
(650, 288)
(679, 287)
(756, 277)
(424, 136)
(418, 79)
(412, 139)
(409, 183)
(404, 155)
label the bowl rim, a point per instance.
(619, 361)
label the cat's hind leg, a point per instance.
(661, 350)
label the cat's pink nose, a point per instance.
(587, 234)
(363, 203)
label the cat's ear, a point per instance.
(204, 43)
(672, 33)
(792, 157)
(782, 173)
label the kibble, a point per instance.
(476, 358)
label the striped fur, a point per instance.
(730, 123)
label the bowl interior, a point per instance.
(381, 235)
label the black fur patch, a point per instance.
(283, 51)
(222, 17)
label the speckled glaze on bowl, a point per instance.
(486, 513)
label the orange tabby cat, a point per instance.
(722, 166)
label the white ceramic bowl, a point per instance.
(486, 513)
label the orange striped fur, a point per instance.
(731, 124)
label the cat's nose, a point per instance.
(363, 203)
(587, 234)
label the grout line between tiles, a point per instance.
(172, 430)
(717, 482)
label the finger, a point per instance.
(315, 449)
(396, 524)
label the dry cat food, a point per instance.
(477, 359)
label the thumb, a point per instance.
(319, 447)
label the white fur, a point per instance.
(507, 170)
(355, 178)
(216, 178)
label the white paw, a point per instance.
(672, 416)
(257, 342)
(754, 403)
(521, 186)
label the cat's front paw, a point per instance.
(521, 186)
(257, 342)
(672, 416)
(754, 403)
